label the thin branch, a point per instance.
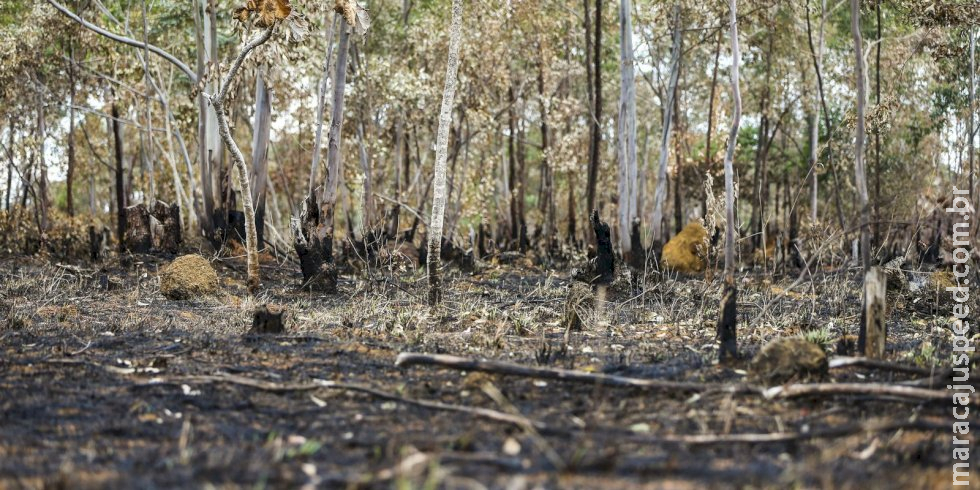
(317, 384)
(406, 359)
(125, 40)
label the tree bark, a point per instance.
(70, 173)
(433, 259)
(726, 322)
(660, 192)
(595, 131)
(860, 180)
(217, 102)
(321, 103)
(120, 175)
(261, 127)
(627, 131)
(971, 119)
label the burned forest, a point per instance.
(501, 244)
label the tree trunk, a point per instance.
(627, 132)
(217, 102)
(595, 131)
(860, 181)
(973, 109)
(660, 192)
(120, 175)
(42, 178)
(204, 137)
(261, 126)
(433, 259)
(876, 228)
(708, 152)
(728, 348)
(70, 174)
(817, 55)
(321, 102)
(329, 195)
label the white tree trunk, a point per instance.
(434, 260)
(860, 180)
(730, 152)
(321, 103)
(660, 192)
(627, 128)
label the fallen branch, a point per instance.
(406, 359)
(494, 415)
(866, 362)
(870, 389)
(783, 437)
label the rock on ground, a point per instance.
(187, 277)
(789, 359)
(685, 252)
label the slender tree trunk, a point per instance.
(595, 134)
(627, 130)
(817, 55)
(10, 163)
(217, 102)
(120, 175)
(147, 140)
(43, 202)
(760, 183)
(433, 259)
(860, 180)
(261, 127)
(70, 174)
(547, 174)
(660, 191)
(203, 117)
(329, 196)
(708, 152)
(321, 102)
(726, 322)
(814, 131)
(973, 108)
(876, 228)
(512, 173)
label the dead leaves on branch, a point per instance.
(355, 15)
(266, 12)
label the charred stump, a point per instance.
(727, 338)
(138, 237)
(637, 257)
(168, 239)
(605, 261)
(314, 245)
(268, 319)
(98, 242)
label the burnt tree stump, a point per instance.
(314, 245)
(637, 257)
(268, 319)
(98, 242)
(138, 238)
(168, 238)
(872, 335)
(605, 262)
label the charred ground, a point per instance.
(104, 382)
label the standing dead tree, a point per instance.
(726, 321)
(627, 137)
(660, 192)
(860, 180)
(314, 230)
(434, 260)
